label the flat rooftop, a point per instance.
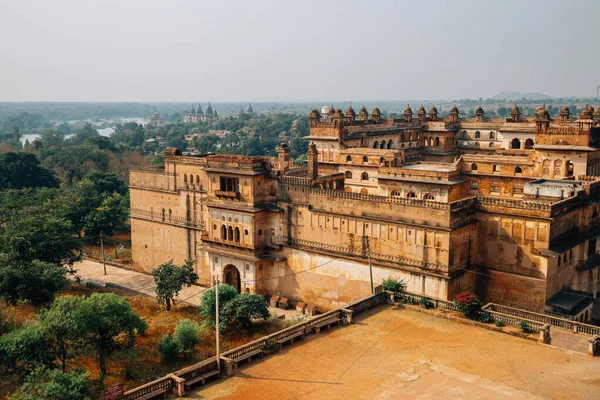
(395, 353)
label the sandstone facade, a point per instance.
(504, 208)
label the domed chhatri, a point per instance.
(350, 112)
(421, 110)
(331, 110)
(587, 113)
(376, 111)
(408, 110)
(325, 110)
(315, 113)
(515, 110)
(479, 111)
(363, 112)
(597, 113)
(542, 113)
(454, 110)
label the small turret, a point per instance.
(515, 113)
(433, 113)
(350, 115)
(408, 113)
(363, 114)
(376, 114)
(565, 113)
(454, 114)
(479, 113)
(313, 162)
(421, 114)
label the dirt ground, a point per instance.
(395, 353)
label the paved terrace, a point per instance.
(395, 353)
(93, 271)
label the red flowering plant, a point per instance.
(468, 304)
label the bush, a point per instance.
(51, 384)
(484, 316)
(168, 348)
(425, 302)
(468, 304)
(524, 327)
(499, 323)
(244, 308)
(270, 346)
(24, 349)
(393, 284)
(186, 336)
(207, 303)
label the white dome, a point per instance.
(325, 110)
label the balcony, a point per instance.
(227, 195)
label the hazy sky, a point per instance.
(180, 50)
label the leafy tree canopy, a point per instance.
(22, 170)
(170, 279)
(244, 308)
(208, 302)
(51, 384)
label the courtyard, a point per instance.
(396, 353)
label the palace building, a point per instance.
(506, 208)
(194, 115)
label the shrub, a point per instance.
(524, 327)
(425, 302)
(394, 284)
(270, 346)
(207, 303)
(499, 323)
(468, 304)
(168, 348)
(51, 384)
(24, 349)
(484, 316)
(244, 308)
(186, 336)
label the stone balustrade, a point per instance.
(574, 326)
(360, 252)
(158, 216)
(165, 383)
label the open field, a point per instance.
(395, 353)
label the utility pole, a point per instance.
(370, 266)
(217, 321)
(102, 248)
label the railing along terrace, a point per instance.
(164, 383)
(409, 201)
(166, 217)
(360, 252)
(482, 201)
(544, 318)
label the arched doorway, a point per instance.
(515, 144)
(231, 276)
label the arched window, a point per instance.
(518, 170)
(429, 196)
(348, 175)
(473, 167)
(496, 168)
(364, 176)
(223, 232)
(230, 233)
(491, 144)
(465, 135)
(402, 136)
(477, 135)
(390, 145)
(198, 179)
(529, 144)
(376, 145)
(365, 159)
(395, 193)
(348, 158)
(411, 195)
(348, 189)
(477, 144)
(381, 160)
(437, 141)
(492, 135)
(185, 178)
(236, 234)
(382, 145)
(402, 145)
(364, 191)
(515, 144)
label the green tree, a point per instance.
(244, 308)
(158, 160)
(50, 384)
(64, 325)
(502, 111)
(24, 279)
(24, 349)
(86, 132)
(21, 170)
(106, 183)
(51, 138)
(170, 279)
(109, 317)
(208, 302)
(186, 336)
(109, 217)
(50, 237)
